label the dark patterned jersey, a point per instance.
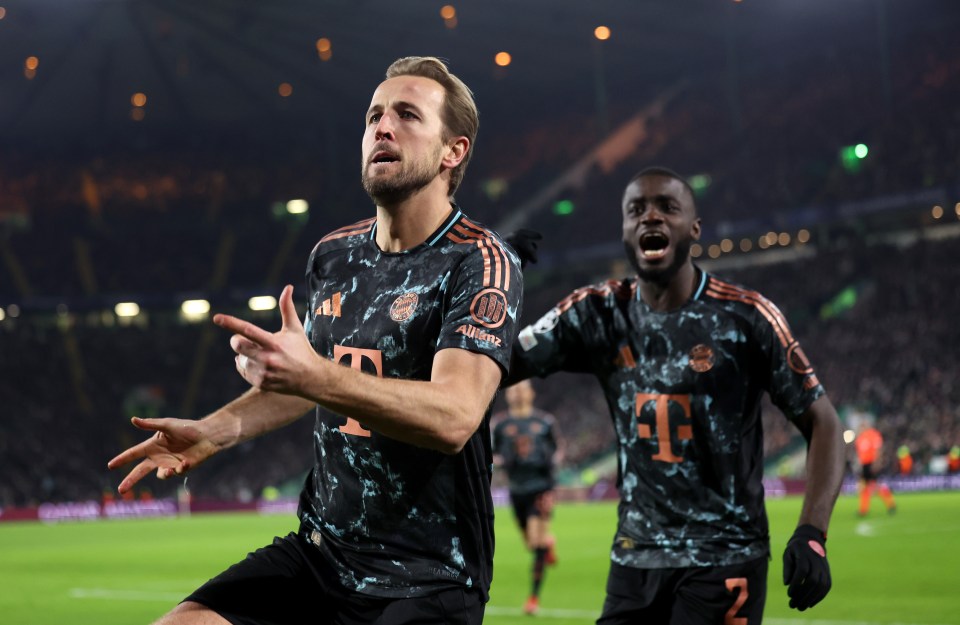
(684, 390)
(396, 520)
(527, 446)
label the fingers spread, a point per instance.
(138, 473)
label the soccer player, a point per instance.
(527, 443)
(869, 443)
(410, 319)
(683, 358)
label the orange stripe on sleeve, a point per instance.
(358, 228)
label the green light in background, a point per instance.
(563, 207)
(699, 183)
(852, 155)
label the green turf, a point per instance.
(903, 569)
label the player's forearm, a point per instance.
(439, 415)
(824, 465)
(254, 413)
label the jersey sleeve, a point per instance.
(792, 382)
(553, 343)
(486, 293)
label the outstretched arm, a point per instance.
(441, 414)
(178, 445)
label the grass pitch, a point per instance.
(902, 569)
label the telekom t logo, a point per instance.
(357, 356)
(664, 438)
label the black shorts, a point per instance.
(691, 596)
(868, 473)
(532, 505)
(290, 583)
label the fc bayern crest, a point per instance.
(403, 307)
(701, 358)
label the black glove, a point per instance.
(805, 568)
(524, 242)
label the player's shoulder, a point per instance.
(738, 298)
(545, 416)
(469, 236)
(347, 236)
(601, 294)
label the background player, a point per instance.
(869, 445)
(684, 359)
(528, 445)
(396, 516)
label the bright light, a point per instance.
(746, 245)
(297, 207)
(763, 242)
(937, 212)
(285, 89)
(138, 99)
(262, 302)
(803, 236)
(601, 32)
(726, 246)
(3, 315)
(127, 309)
(861, 150)
(32, 62)
(714, 251)
(324, 49)
(956, 209)
(563, 207)
(3, 13)
(784, 239)
(448, 12)
(195, 308)
(849, 436)
(502, 59)
(696, 250)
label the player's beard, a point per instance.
(413, 176)
(661, 275)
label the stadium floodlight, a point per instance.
(195, 309)
(262, 302)
(3, 315)
(127, 309)
(297, 207)
(849, 436)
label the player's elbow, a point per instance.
(456, 433)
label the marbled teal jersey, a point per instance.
(397, 520)
(527, 446)
(684, 389)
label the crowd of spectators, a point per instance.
(82, 233)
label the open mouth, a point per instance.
(653, 245)
(384, 157)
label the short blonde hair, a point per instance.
(460, 115)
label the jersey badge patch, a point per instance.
(489, 308)
(403, 307)
(701, 358)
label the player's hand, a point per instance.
(280, 362)
(177, 446)
(524, 242)
(806, 572)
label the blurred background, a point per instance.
(161, 160)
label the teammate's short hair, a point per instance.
(460, 115)
(657, 170)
